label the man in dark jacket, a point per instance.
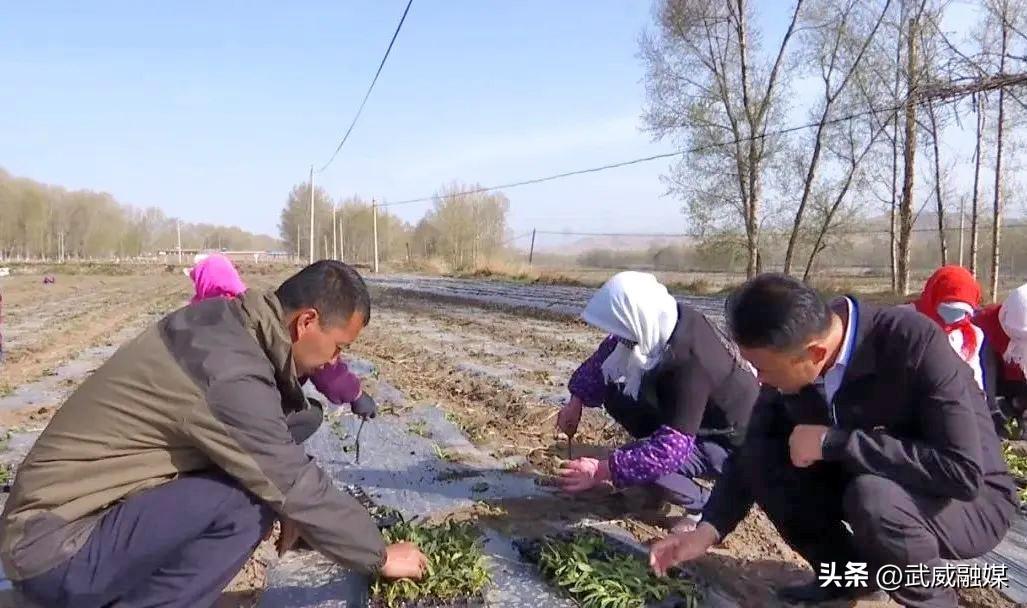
(158, 477)
(876, 426)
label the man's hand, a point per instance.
(404, 560)
(583, 473)
(364, 406)
(807, 444)
(569, 418)
(288, 536)
(681, 547)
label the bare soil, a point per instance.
(499, 375)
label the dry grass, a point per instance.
(870, 289)
(518, 272)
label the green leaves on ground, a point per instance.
(1017, 462)
(6, 473)
(597, 576)
(419, 428)
(456, 566)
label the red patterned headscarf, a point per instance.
(952, 284)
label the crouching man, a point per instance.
(877, 426)
(158, 477)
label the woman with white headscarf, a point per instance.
(671, 379)
(1005, 330)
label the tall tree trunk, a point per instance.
(942, 242)
(909, 160)
(893, 256)
(974, 206)
(996, 227)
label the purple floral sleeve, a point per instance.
(645, 461)
(587, 382)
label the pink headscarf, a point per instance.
(215, 276)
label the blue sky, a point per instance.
(212, 111)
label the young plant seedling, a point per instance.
(419, 428)
(339, 429)
(1017, 462)
(456, 573)
(596, 575)
(6, 474)
(443, 454)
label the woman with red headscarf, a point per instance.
(950, 298)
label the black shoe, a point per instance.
(814, 593)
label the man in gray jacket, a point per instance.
(158, 477)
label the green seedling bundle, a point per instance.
(1017, 462)
(596, 574)
(456, 575)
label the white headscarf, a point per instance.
(636, 307)
(1013, 319)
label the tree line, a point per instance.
(460, 229)
(44, 222)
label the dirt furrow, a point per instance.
(110, 312)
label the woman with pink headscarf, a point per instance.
(214, 276)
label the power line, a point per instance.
(370, 88)
(645, 159)
(516, 238)
(840, 232)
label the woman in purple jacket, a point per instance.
(671, 379)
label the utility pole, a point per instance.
(335, 233)
(531, 252)
(342, 243)
(311, 214)
(298, 258)
(179, 230)
(374, 225)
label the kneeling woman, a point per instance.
(671, 379)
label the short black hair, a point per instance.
(776, 311)
(333, 288)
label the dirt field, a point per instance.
(500, 376)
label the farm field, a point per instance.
(469, 375)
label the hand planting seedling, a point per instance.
(456, 573)
(596, 575)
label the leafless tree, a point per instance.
(839, 43)
(707, 88)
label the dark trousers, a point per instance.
(890, 525)
(705, 462)
(176, 545)
(641, 418)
